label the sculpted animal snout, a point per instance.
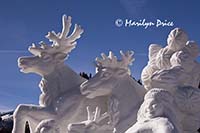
(25, 62)
(22, 60)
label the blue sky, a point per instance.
(23, 22)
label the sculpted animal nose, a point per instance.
(21, 60)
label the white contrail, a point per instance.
(10, 95)
(12, 51)
(4, 108)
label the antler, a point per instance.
(112, 62)
(62, 43)
(95, 121)
(95, 117)
(127, 58)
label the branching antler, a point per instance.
(112, 62)
(127, 58)
(62, 42)
(96, 122)
(66, 22)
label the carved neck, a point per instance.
(127, 85)
(126, 95)
(64, 78)
(127, 92)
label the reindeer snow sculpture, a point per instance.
(60, 102)
(113, 79)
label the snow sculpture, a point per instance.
(185, 59)
(184, 70)
(156, 114)
(187, 100)
(171, 78)
(60, 101)
(96, 123)
(159, 58)
(174, 68)
(113, 79)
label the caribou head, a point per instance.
(47, 57)
(109, 71)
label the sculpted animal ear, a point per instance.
(60, 57)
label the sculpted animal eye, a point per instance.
(46, 57)
(153, 106)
